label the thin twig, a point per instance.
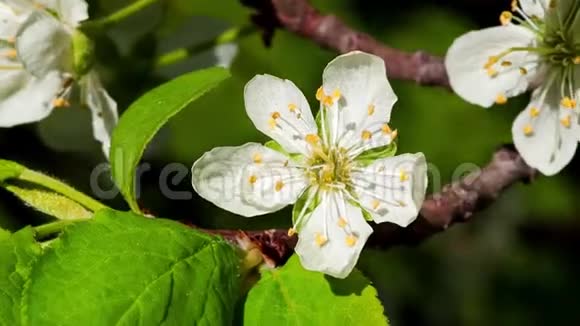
(328, 31)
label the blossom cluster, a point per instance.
(43, 56)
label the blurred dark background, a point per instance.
(516, 263)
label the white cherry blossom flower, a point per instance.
(337, 169)
(42, 56)
(540, 52)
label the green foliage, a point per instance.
(9, 170)
(147, 115)
(17, 252)
(124, 269)
(50, 202)
(44, 193)
(299, 205)
(368, 157)
(272, 144)
(293, 296)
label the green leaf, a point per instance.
(50, 202)
(272, 144)
(23, 176)
(17, 253)
(124, 269)
(9, 170)
(299, 205)
(147, 115)
(292, 295)
(368, 157)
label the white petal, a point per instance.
(333, 237)
(468, 55)
(9, 22)
(543, 141)
(225, 54)
(225, 176)
(18, 7)
(267, 97)
(535, 8)
(392, 189)
(365, 103)
(31, 102)
(44, 44)
(103, 109)
(72, 12)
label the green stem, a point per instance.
(46, 230)
(61, 188)
(231, 35)
(120, 14)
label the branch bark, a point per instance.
(328, 31)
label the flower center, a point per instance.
(329, 168)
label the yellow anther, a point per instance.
(272, 123)
(312, 139)
(366, 135)
(491, 72)
(371, 109)
(566, 121)
(386, 129)
(328, 101)
(292, 107)
(568, 102)
(528, 130)
(342, 222)
(252, 179)
(279, 185)
(291, 232)
(523, 71)
(501, 99)
(505, 17)
(514, 5)
(60, 102)
(320, 239)
(257, 158)
(403, 176)
(320, 94)
(351, 240)
(11, 54)
(534, 112)
(375, 204)
(275, 115)
(576, 60)
(325, 99)
(506, 63)
(394, 134)
(336, 94)
(491, 61)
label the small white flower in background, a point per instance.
(540, 52)
(337, 168)
(42, 56)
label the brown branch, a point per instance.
(299, 17)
